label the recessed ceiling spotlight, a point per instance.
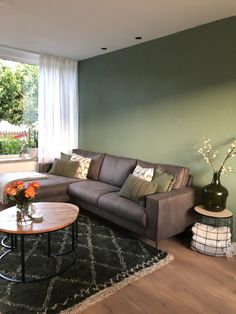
(138, 37)
(104, 48)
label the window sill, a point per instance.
(13, 159)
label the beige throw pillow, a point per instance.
(136, 189)
(143, 173)
(83, 167)
(65, 156)
(164, 180)
(65, 168)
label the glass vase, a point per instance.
(22, 215)
(215, 195)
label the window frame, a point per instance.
(15, 55)
(19, 55)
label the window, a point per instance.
(18, 106)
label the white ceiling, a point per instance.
(79, 28)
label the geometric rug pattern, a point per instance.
(106, 260)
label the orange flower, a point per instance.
(34, 185)
(10, 190)
(17, 191)
(30, 192)
(18, 185)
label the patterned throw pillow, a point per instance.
(143, 173)
(84, 165)
(136, 189)
(164, 180)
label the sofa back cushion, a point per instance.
(181, 173)
(96, 162)
(115, 169)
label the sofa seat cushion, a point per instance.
(90, 191)
(54, 186)
(123, 208)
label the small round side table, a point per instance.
(57, 216)
(212, 234)
(216, 219)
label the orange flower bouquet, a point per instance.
(22, 195)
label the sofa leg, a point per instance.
(156, 245)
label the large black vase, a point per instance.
(215, 195)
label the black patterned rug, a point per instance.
(106, 260)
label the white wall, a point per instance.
(15, 166)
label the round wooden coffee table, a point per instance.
(56, 216)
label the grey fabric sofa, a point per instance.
(165, 214)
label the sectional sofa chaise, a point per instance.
(160, 217)
(164, 214)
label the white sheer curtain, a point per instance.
(58, 106)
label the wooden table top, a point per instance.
(226, 213)
(56, 216)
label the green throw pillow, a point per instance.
(136, 189)
(65, 168)
(65, 156)
(164, 180)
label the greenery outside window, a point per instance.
(18, 108)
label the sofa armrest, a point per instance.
(171, 212)
(45, 167)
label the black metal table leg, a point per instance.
(73, 236)
(15, 241)
(76, 230)
(12, 242)
(49, 244)
(22, 258)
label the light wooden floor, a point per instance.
(192, 283)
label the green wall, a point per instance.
(156, 100)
